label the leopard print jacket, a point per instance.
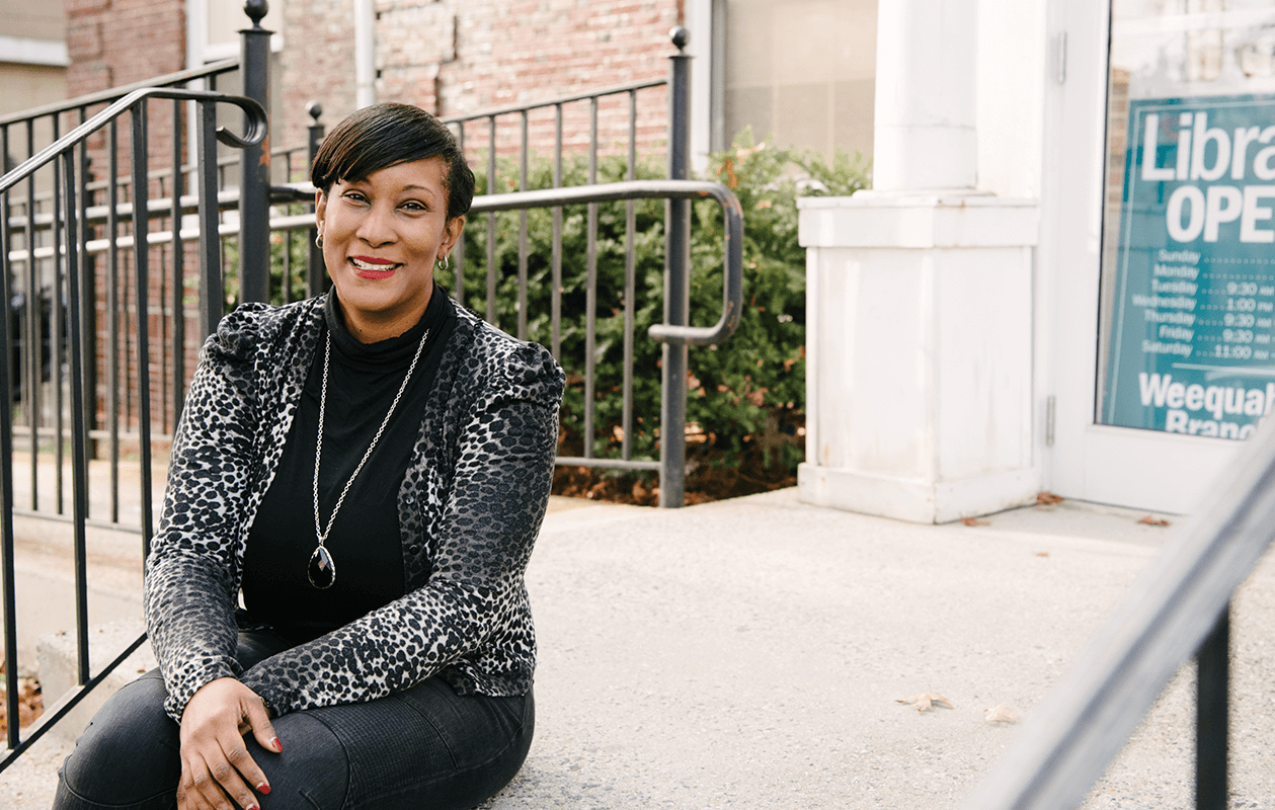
(470, 507)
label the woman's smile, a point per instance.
(372, 268)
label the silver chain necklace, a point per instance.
(321, 570)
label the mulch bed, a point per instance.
(30, 702)
(706, 482)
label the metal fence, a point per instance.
(623, 102)
(71, 271)
(34, 217)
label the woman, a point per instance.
(370, 468)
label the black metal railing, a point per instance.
(674, 333)
(42, 427)
(624, 103)
(671, 481)
(1178, 608)
(107, 202)
(71, 272)
(33, 221)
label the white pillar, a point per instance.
(919, 299)
(924, 117)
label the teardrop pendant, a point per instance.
(322, 569)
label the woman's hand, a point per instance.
(216, 767)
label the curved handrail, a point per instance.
(256, 123)
(733, 259)
(733, 250)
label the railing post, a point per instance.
(138, 140)
(314, 272)
(88, 297)
(179, 272)
(79, 435)
(8, 589)
(212, 289)
(1212, 721)
(254, 190)
(676, 283)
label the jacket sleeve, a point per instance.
(491, 516)
(190, 583)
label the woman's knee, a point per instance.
(130, 751)
(312, 770)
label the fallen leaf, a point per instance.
(972, 521)
(999, 714)
(1048, 498)
(1151, 520)
(924, 701)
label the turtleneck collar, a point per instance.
(392, 350)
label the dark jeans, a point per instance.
(423, 748)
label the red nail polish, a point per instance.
(263, 789)
(278, 746)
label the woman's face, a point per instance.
(381, 237)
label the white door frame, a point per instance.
(1135, 468)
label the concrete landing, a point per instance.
(750, 653)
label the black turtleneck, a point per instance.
(365, 541)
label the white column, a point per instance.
(925, 102)
(919, 298)
(699, 22)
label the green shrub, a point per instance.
(746, 397)
(296, 248)
(752, 389)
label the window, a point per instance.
(1188, 269)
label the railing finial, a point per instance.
(680, 36)
(256, 11)
(315, 109)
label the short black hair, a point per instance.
(385, 135)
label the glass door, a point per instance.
(1157, 259)
(1188, 270)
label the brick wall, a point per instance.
(451, 57)
(454, 57)
(317, 64)
(113, 43)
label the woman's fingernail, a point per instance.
(278, 746)
(263, 789)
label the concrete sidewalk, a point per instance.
(750, 653)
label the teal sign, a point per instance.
(1194, 296)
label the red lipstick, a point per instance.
(368, 267)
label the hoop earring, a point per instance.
(444, 262)
(318, 239)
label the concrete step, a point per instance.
(58, 663)
(44, 581)
(43, 547)
(29, 783)
(45, 577)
